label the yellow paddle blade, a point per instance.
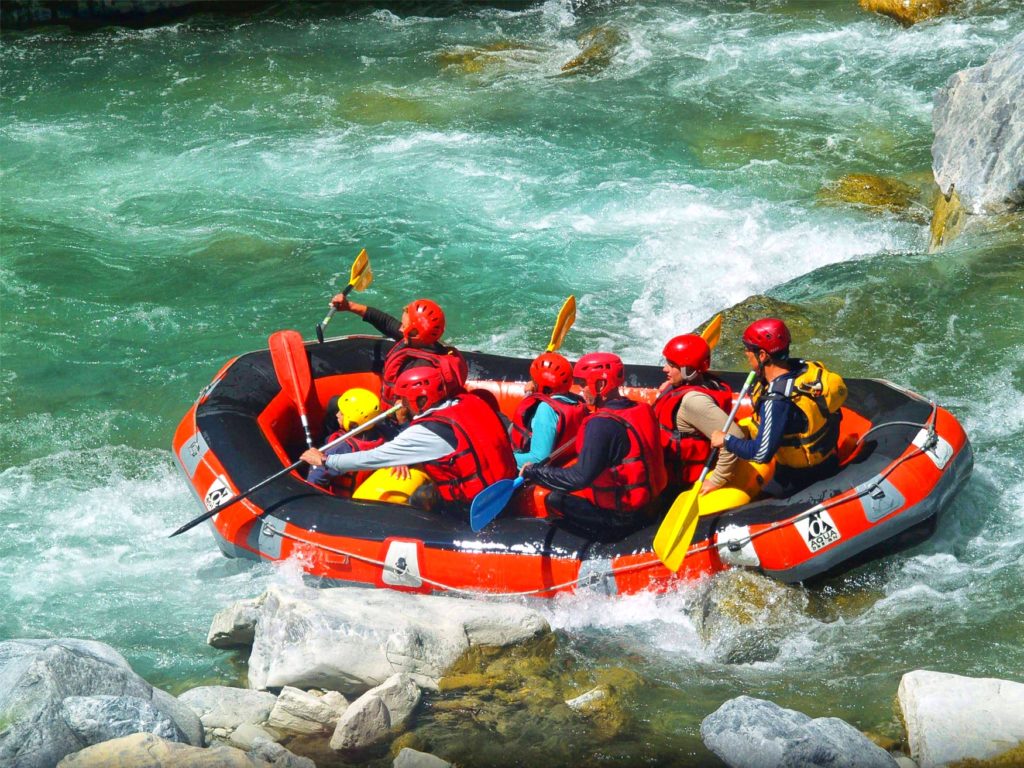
(566, 317)
(361, 275)
(713, 332)
(672, 541)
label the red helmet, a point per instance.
(769, 334)
(426, 323)
(600, 372)
(552, 373)
(421, 387)
(688, 351)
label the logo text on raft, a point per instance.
(818, 530)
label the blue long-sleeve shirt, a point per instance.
(778, 416)
(544, 429)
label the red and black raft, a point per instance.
(903, 459)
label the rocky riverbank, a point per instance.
(341, 676)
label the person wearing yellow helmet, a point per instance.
(354, 407)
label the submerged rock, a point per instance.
(753, 733)
(950, 718)
(351, 640)
(743, 616)
(979, 133)
(37, 679)
(948, 219)
(906, 12)
(599, 46)
(494, 55)
(878, 193)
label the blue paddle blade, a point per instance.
(491, 500)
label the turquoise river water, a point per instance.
(172, 195)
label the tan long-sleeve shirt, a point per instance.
(698, 413)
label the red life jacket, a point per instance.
(685, 454)
(570, 417)
(346, 483)
(633, 484)
(451, 363)
(482, 454)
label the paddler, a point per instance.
(458, 441)
(796, 412)
(550, 414)
(621, 467)
(418, 338)
(354, 407)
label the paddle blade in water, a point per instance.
(489, 503)
(673, 538)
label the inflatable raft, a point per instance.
(903, 459)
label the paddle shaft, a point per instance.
(291, 468)
(728, 423)
(330, 314)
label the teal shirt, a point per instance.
(545, 426)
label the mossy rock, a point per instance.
(374, 107)
(482, 658)
(1013, 758)
(463, 681)
(874, 193)
(475, 60)
(948, 218)
(907, 12)
(728, 354)
(411, 740)
(888, 743)
(599, 46)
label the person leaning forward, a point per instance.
(796, 412)
(417, 338)
(459, 442)
(621, 468)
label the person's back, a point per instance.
(550, 415)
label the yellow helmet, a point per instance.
(356, 407)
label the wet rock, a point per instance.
(247, 734)
(950, 718)
(979, 133)
(277, 756)
(219, 706)
(753, 733)
(729, 352)
(742, 616)
(876, 193)
(599, 46)
(95, 719)
(377, 713)
(493, 56)
(37, 676)
(589, 701)
(297, 711)
(948, 219)
(144, 750)
(906, 12)
(235, 626)
(410, 758)
(351, 640)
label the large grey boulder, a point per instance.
(95, 719)
(38, 676)
(950, 718)
(753, 733)
(350, 640)
(301, 712)
(978, 120)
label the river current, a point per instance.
(172, 195)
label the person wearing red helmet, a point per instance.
(621, 467)
(417, 338)
(458, 441)
(691, 405)
(550, 414)
(796, 412)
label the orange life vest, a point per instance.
(450, 362)
(482, 454)
(637, 481)
(570, 417)
(685, 455)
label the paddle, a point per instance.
(238, 497)
(566, 317)
(359, 278)
(490, 502)
(292, 368)
(713, 331)
(672, 541)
